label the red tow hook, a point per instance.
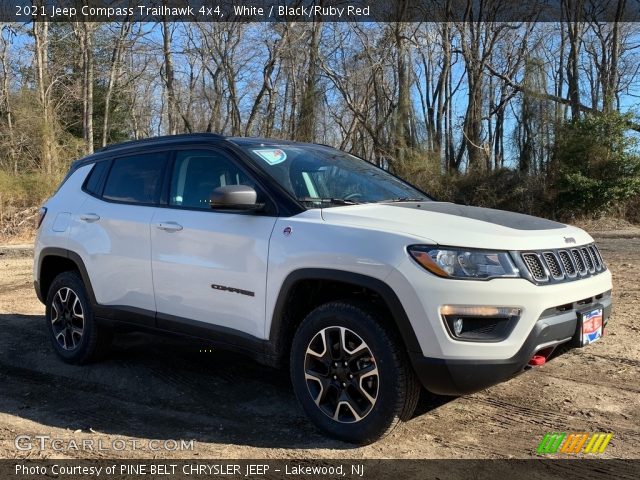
(537, 360)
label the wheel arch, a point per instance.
(284, 321)
(52, 262)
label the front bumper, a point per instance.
(462, 376)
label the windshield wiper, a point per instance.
(404, 199)
(330, 201)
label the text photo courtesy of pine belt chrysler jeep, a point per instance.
(309, 258)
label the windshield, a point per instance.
(322, 176)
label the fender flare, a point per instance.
(376, 285)
(69, 255)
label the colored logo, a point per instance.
(591, 326)
(574, 443)
(272, 156)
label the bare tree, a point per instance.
(5, 107)
(115, 68)
(169, 77)
(306, 124)
(41, 37)
(84, 33)
(573, 11)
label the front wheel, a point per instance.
(351, 374)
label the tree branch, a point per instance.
(554, 98)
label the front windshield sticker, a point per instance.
(272, 156)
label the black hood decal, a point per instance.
(517, 221)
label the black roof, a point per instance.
(190, 137)
(261, 140)
(164, 138)
(199, 136)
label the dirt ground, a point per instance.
(167, 389)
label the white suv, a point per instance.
(302, 255)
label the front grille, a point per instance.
(567, 264)
(587, 259)
(534, 265)
(596, 256)
(577, 257)
(552, 266)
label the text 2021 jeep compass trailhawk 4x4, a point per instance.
(305, 256)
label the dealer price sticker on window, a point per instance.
(272, 156)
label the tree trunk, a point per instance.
(114, 73)
(610, 82)
(6, 104)
(41, 37)
(305, 129)
(169, 78)
(89, 67)
(267, 86)
(442, 90)
(574, 35)
(402, 124)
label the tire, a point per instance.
(379, 386)
(75, 335)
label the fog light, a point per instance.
(457, 326)
(479, 323)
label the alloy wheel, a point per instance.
(341, 374)
(67, 318)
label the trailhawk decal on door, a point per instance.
(224, 288)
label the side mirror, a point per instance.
(235, 197)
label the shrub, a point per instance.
(20, 197)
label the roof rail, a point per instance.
(160, 138)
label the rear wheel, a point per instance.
(351, 374)
(74, 332)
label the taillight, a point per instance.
(41, 213)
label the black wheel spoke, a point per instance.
(318, 348)
(335, 344)
(321, 381)
(55, 312)
(363, 371)
(339, 412)
(62, 339)
(357, 406)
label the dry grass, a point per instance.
(18, 225)
(604, 224)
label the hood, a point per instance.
(458, 225)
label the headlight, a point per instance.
(462, 263)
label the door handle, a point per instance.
(89, 217)
(169, 226)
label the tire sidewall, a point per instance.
(82, 351)
(384, 412)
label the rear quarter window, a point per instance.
(93, 183)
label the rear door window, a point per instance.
(136, 179)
